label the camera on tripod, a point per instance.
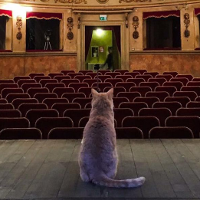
(96, 67)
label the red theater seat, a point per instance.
(32, 75)
(71, 96)
(5, 106)
(17, 78)
(152, 85)
(20, 134)
(69, 81)
(123, 77)
(117, 90)
(133, 74)
(182, 100)
(43, 82)
(176, 84)
(8, 85)
(76, 86)
(7, 91)
(121, 71)
(160, 81)
(129, 133)
(85, 71)
(22, 81)
(193, 104)
(52, 75)
(188, 112)
(153, 74)
(126, 85)
(33, 91)
(102, 85)
(61, 90)
(141, 71)
(45, 124)
(10, 113)
(188, 76)
(65, 72)
(61, 77)
(39, 78)
(141, 89)
(159, 94)
(6, 81)
(51, 86)
(85, 90)
(12, 96)
(165, 76)
(50, 101)
(190, 94)
(191, 88)
(17, 102)
(146, 77)
(168, 89)
(170, 132)
(171, 73)
(41, 96)
(91, 81)
(72, 75)
(148, 100)
(81, 78)
(26, 86)
(113, 74)
(182, 80)
(82, 101)
(136, 81)
(129, 95)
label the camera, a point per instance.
(96, 67)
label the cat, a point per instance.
(98, 155)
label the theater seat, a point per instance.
(20, 134)
(66, 133)
(129, 133)
(170, 132)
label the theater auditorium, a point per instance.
(53, 52)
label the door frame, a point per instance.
(81, 40)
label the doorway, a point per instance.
(99, 42)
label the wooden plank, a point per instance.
(55, 168)
(187, 173)
(148, 189)
(126, 170)
(161, 180)
(18, 162)
(178, 183)
(38, 152)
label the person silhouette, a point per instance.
(109, 59)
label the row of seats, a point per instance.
(77, 133)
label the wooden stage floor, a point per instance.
(48, 169)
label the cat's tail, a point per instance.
(127, 183)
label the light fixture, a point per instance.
(16, 7)
(99, 32)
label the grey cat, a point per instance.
(98, 155)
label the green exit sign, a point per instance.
(103, 17)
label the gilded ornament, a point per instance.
(71, 1)
(44, 0)
(137, 1)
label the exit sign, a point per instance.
(103, 17)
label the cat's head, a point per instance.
(102, 100)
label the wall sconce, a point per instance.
(19, 27)
(135, 25)
(187, 23)
(70, 25)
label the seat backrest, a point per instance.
(85, 71)
(191, 88)
(166, 76)
(152, 85)
(17, 102)
(133, 74)
(182, 100)
(85, 90)
(66, 133)
(10, 113)
(7, 91)
(90, 81)
(117, 90)
(153, 74)
(129, 133)
(126, 85)
(61, 107)
(52, 75)
(10, 97)
(190, 94)
(20, 133)
(121, 71)
(22, 81)
(188, 112)
(191, 122)
(15, 122)
(172, 73)
(81, 78)
(51, 86)
(50, 101)
(112, 74)
(61, 77)
(6, 81)
(160, 81)
(160, 113)
(72, 75)
(172, 106)
(141, 71)
(123, 77)
(82, 101)
(26, 86)
(102, 85)
(169, 89)
(43, 82)
(33, 115)
(170, 132)
(61, 90)
(148, 100)
(45, 124)
(182, 80)
(32, 75)
(159, 94)
(33, 91)
(146, 77)
(113, 81)
(5, 106)
(141, 89)
(193, 83)
(129, 95)
(134, 106)
(121, 113)
(65, 72)
(17, 78)
(39, 78)
(118, 100)
(76, 114)
(25, 107)
(136, 81)
(193, 104)
(76, 86)
(188, 76)
(3, 101)
(71, 96)
(41, 96)
(91, 74)
(176, 84)
(69, 81)
(145, 123)
(8, 85)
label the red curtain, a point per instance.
(89, 31)
(46, 16)
(197, 11)
(6, 13)
(160, 14)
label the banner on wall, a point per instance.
(40, 15)
(161, 14)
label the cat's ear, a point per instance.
(94, 93)
(110, 93)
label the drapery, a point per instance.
(88, 36)
(7, 13)
(197, 11)
(40, 15)
(161, 14)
